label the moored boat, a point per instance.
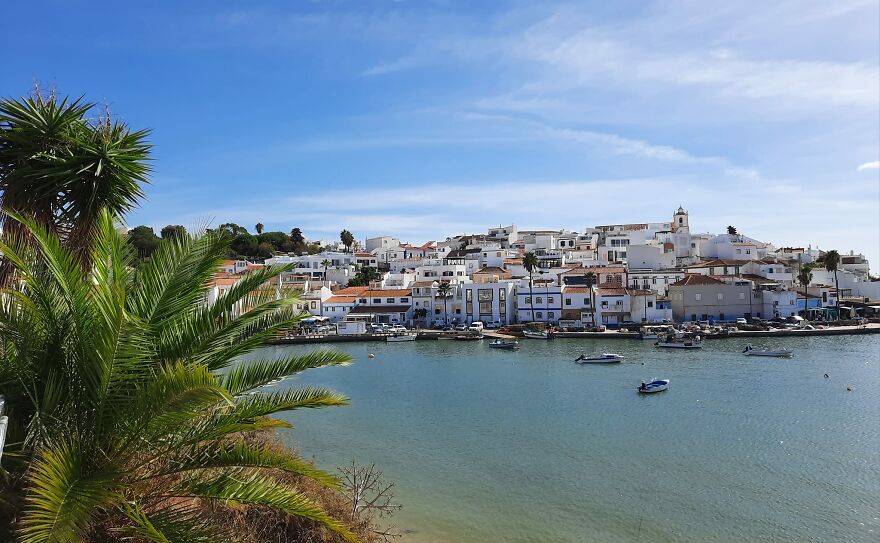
(511, 345)
(656, 385)
(468, 337)
(400, 337)
(604, 358)
(777, 353)
(674, 341)
(531, 334)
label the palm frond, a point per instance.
(248, 376)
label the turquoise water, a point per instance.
(487, 445)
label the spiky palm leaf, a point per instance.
(126, 393)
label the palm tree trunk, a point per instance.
(837, 287)
(531, 296)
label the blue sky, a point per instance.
(430, 118)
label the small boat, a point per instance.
(778, 353)
(400, 337)
(604, 358)
(468, 337)
(504, 344)
(672, 342)
(531, 334)
(656, 385)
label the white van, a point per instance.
(476, 326)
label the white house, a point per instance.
(382, 243)
(653, 256)
(490, 301)
(543, 299)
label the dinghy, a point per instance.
(604, 358)
(657, 385)
(778, 353)
(504, 344)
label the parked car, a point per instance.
(476, 326)
(494, 324)
(741, 321)
(397, 329)
(461, 327)
(448, 328)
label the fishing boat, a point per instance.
(656, 385)
(674, 341)
(400, 337)
(504, 344)
(468, 337)
(604, 358)
(778, 353)
(531, 334)
(652, 332)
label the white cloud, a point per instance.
(870, 166)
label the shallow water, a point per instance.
(488, 445)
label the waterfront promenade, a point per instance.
(872, 328)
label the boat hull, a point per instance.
(657, 385)
(536, 335)
(772, 354)
(604, 359)
(397, 339)
(679, 345)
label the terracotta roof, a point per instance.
(576, 290)
(491, 269)
(756, 278)
(371, 255)
(423, 284)
(692, 279)
(612, 291)
(376, 293)
(350, 290)
(720, 262)
(340, 300)
(639, 292)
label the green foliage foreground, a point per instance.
(127, 400)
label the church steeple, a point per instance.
(680, 220)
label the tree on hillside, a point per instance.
(314, 248)
(143, 239)
(278, 240)
(259, 228)
(172, 230)
(298, 241)
(232, 229)
(832, 260)
(61, 164)
(363, 277)
(444, 290)
(347, 239)
(244, 245)
(134, 409)
(530, 263)
(805, 276)
(731, 230)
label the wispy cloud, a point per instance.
(870, 166)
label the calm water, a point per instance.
(486, 445)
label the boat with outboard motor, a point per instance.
(510, 345)
(604, 358)
(656, 385)
(777, 353)
(400, 337)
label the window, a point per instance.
(698, 296)
(389, 300)
(550, 299)
(650, 304)
(538, 315)
(748, 251)
(549, 314)
(484, 295)
(538, 300)
(587, 302)
(362, 301)
(693, 317)
(705, 317)
(721, 316)
(739, 251)
(485, 308)
(502, 295)
(654, 280)
(469, 296)
(720, 296)
(568, 301)
(604, 303)
(528, 300)
(404, 300)
(618, 302)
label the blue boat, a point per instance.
(657, 385)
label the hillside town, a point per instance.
(604, 276)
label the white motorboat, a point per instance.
(604, 358)
(400, 337)
(675, 342)
(504, 344)
(531, 334)
(778, 353)
(656, 385)
(468, 337)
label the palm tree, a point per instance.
(259, 227)
(805, 276)
(62, 168)
(530, 263)
(326, 264)
(590, 279)
(129, 406)
(832, 259)
(443, 291)
(347, 239)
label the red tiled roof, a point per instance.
(692, 279)
(612, 291)
(576, 290)
(340, 300)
